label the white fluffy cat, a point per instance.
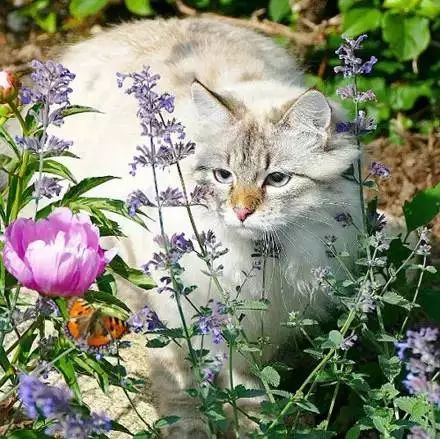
(266, 146)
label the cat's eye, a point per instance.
(277, 179)
(223, 176)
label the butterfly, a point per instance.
(91, 326)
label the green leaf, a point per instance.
(139, 7)
(423, 208)
(133, 275)
(393, 298)
(307, 405)
(27, 434)
(336, 338)
(108, 204)
(408, 36)
(70, 110)
(404, 96)
(116, 426)
(312, 434)
(241, 391)
(84, 8)
(270, 375)
(65, 366)
(429, 299)
(106, 299)
(47, 22)
(429, 8)
(279, 9)
(56, 168)
(416, 407)
(84, 186)
(353, 433)
(401, 5)
(359, 20)
(167, 420)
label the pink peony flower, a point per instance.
(8, 86)
(57, 256)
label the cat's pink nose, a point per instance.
(243, 212)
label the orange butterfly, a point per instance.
(88, 324)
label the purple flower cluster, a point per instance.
(350, 92)
(352, 65)
(47, 187)
(361, 125)
(174, 248)
(166, 143)
(51, 84)
(417, 432)
(54, 403)
(44, 145)
(421, 354)
(344, 218)
(213, 251)
(379, 170)
(213, 367)
(213, 319)
(144, 320)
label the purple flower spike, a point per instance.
(51, 84)
(166, 138)
(351, 64)
(422, 356)
(213, 322)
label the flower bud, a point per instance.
(8, 86)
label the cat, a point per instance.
(267, 148)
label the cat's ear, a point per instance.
(211, 106)
(311, 110)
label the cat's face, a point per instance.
(269, 174)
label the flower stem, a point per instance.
(416, 294)
(231, 385)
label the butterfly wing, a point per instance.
(86, 322)
(80, 314)
(105, 330)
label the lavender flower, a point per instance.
(175, 247)
(417, 432)
(349, 342)
(166, 143)
(51, 145)
(171, 197)
(350, 92)
(422, 356)
(361, 125)
(213, 321)
(145, 319)
(351, 64)
(51, 84)
(201, 194)
(136, 200)
(40, 399)
(321, 276)
(379, 170)
(376, 221)
(424, 248)
(47, 187)
(213, 367)
(367, 299)
(74, 425)
(344, 218)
